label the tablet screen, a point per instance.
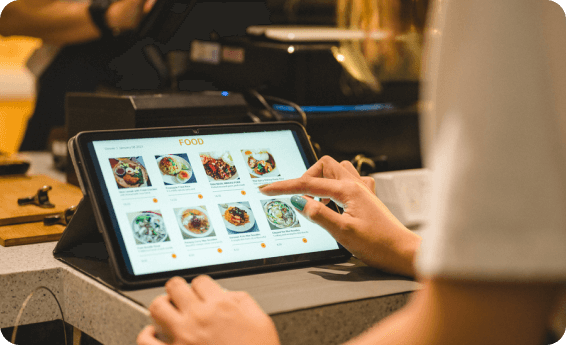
(190, 201)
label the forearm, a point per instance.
(56, 22)
(398, 329)
(449, 312)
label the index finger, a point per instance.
(313, 186)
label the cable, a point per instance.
(24, 306)
(254, 118)
(294, 105)
(276, 115)
(262, 100)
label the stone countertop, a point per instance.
(112, 318)
(88, 305)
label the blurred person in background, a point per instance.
(80, 39)
(491, 259)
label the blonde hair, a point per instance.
(392, 45)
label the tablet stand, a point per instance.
(82, 247)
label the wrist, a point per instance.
(408, 252)
(396, 254)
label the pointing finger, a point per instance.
(316, 187)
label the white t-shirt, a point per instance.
(498, 110)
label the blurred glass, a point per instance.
(393, 40)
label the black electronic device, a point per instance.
(387, 136)
(185, 201)
(88, 112)
(306, 69)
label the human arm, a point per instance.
(66, 22)
(366, 228)
(467, 312)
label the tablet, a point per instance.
(185, 200)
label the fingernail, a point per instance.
(299, 202)
(264, 185)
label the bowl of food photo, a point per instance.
(280, 214)
(149, 227)
(194, 222)
(237, 217)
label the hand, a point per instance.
(126, 15)
(203, 313)
(366, 228)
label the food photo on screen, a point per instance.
(175, 169)
(219, 166)
(280, 214)
(148, 227)
(260, 163)
(238, 218)
(130, 172)
(194, 222)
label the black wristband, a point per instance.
(97, 10)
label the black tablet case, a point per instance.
(82, 247)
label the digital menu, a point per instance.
(186, 202)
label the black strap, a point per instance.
(97, 10)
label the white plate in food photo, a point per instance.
(219, 166)
(280, 214)
(194, 221)
(237, 217)
(149, 227)
(129, 172)
(174, 169)
(260, 163)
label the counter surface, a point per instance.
(306, 304)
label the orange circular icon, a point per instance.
(200, 196)
(243, 192)
(174, 256)
(263, 245)
(305, 240)
(220, 250)
(155, 200)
